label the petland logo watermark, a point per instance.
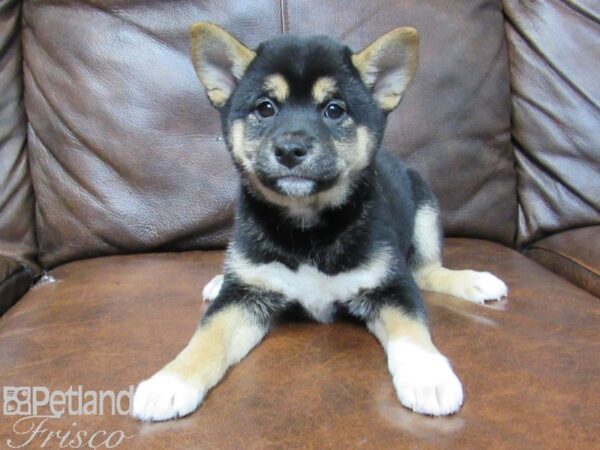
(38, 407)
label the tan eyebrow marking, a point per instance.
(324, 88)
(277, 87)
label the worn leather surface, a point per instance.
(126, 153)
(574, 254)
(15, 279)
(554, 48)
(529, 364)
(17, 228)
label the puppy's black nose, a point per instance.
(291, 151)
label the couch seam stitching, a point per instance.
(568, 258)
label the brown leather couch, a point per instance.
(114, 179)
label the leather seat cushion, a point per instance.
(529, 364)
(574, 254)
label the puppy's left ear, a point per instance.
(388, 64)
(220, 60)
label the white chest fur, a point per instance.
(313, 289)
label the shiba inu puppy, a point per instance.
(326, 220)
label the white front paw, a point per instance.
(212, 288)
(425, 382)
(481, 286)
(165, 396)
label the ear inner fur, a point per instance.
(387, 65)
(219, 59)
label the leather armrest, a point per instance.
(573, 254)
(15, 279)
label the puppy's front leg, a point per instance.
(423, 377)
(227, 333)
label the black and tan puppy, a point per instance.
(326, 220)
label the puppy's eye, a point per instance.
(334, 110)
(266, 108)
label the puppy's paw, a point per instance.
(165, 396)
(480, 287)
(426, 383)
(212, 288)
(477, 287)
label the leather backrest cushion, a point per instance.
(17, 226)
(126, 152)
(554, 50)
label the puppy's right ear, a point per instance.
(220, 60)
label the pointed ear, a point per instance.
(387, 65)
(220, 60)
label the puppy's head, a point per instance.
(303, 116)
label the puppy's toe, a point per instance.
(480, 287)
(212, 288)
(428, 386)
(165, 396)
